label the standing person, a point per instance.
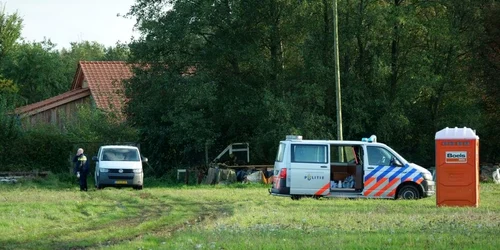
(81, 168)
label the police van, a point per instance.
(350, 169)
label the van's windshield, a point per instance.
(120, 154)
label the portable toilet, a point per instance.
(457, 167)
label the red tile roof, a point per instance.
(52, 102)
(101, 79)
(104, 79)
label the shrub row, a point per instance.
(43, 149)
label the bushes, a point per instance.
(42, 148)
(47, 148)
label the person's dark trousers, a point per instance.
(83, 180)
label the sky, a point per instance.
(65, 21)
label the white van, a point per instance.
(119, 166)
(351, 169)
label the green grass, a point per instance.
(52, 214)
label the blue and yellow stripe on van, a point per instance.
(383, 181)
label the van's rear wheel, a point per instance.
(409, 192)
(296, 197)
(138, 187)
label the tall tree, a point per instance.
(120, 52)
(37, 69)
(10, 30)
(487, 69)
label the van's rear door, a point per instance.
(309, 169)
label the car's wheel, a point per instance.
(408, 192)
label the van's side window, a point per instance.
(379, 156)
(344, 154)
(309, 153)
(281, 152)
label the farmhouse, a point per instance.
(96, 83)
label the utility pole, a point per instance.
(337, 71)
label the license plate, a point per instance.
(120, 182)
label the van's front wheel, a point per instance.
(409, 192)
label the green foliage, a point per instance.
(42, 148)
(487, 70)
(9, 130)
(118, 53)
(10, 30)
(36, 68)
(7, 86)
(93, 125)
(54, 158)
(47, 148)
(171, 133)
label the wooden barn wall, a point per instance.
(56, 115)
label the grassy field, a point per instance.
(37, 215)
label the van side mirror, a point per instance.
(395, 162)
(144, 159)
(94, 158)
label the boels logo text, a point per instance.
(313, 177)
(456, 157)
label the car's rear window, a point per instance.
(120, 154)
